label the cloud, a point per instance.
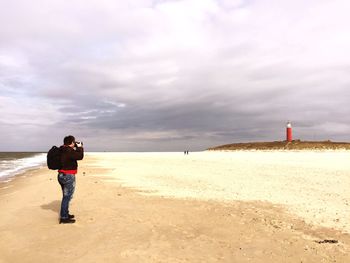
(167, 75)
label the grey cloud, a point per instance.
(147, 76)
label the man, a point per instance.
(71, 152)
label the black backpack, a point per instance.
(54, 158)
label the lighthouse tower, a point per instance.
(289, 132)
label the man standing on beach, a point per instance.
(71, 152)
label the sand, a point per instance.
(125, 214)
(312, 184)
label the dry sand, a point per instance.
(313, 184)
(116, 223)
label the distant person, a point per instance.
(71, 152)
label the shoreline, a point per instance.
(8, 179)
(119, 224)
(14, 164)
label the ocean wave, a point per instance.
(12, 166)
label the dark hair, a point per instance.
(68, 140)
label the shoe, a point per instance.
(67, 221)
(70, 216)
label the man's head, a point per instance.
(69, 140)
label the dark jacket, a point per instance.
(70, 156)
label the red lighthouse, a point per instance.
(289, 132)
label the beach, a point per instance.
(168, 207)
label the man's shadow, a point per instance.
(54, 206)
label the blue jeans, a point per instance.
(67, 182)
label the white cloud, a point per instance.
(175, 67)
(28, 111)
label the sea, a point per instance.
(15, 163)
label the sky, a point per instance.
(172, 75)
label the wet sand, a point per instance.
(116, 223)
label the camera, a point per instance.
(78, 144)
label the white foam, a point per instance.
(9, 168)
